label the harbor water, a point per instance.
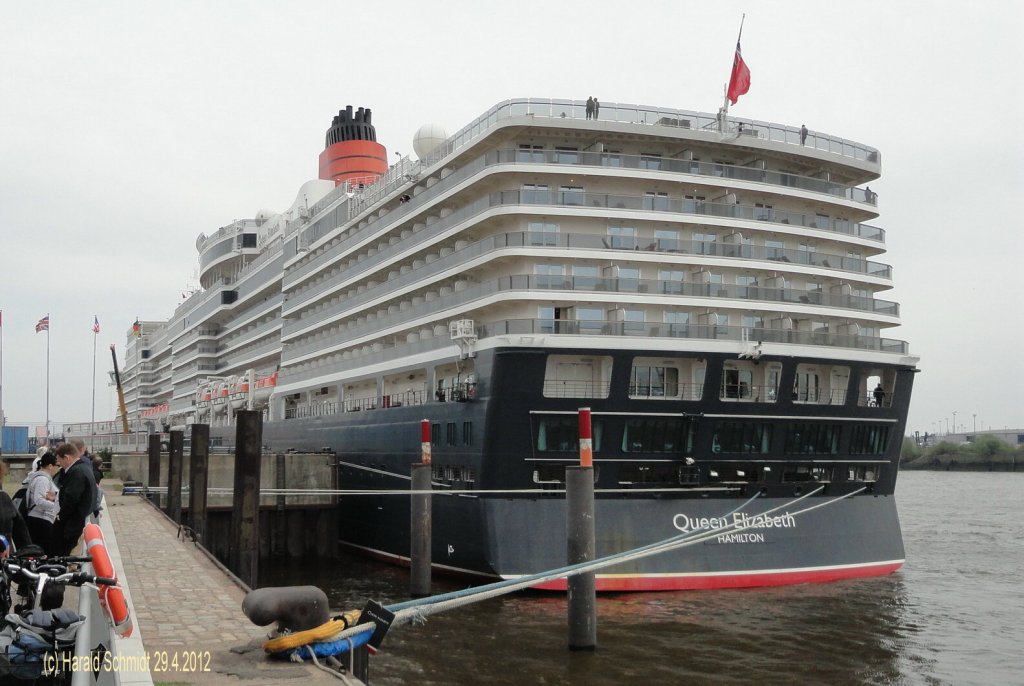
(953, 615)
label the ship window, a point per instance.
(543, 233)
(678, 322)
(549, 276)
(667, 240)
(612, 159)
(705, 243)
(621, 237)
(654, 382)
(865, 472)
(535, 194)
(569, 376)
(742, 437)
(633, 321)
(659, 435)
(467, 433)
(737, 383)
(812, 439)
(562, 434)
(872, 439)
(530, 153)
(650, 160)
(435, 435)
(450, 434)
(774, 250)
(671, 280)
(571, 195)
(656, 201)
(567, 155)
(591, 319)
(585, 277)
(805, 387)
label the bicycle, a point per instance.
(37, 641)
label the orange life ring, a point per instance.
(117, 610)
(94, 545)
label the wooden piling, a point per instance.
(420, 532)
(153, 476)
(245, 508)
(198, 478)
(175, 465)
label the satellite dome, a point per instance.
(428, 138)
(263, 215)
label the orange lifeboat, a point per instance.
(239, 394)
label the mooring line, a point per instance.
(418, 610)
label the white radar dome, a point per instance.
(263, 215)
(427, 139)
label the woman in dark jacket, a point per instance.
(11, 524)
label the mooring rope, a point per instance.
(418, 610)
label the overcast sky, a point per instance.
(128, 128)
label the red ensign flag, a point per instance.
(739, 81)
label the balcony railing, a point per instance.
(582, 284)
(392, 350)
(608, 160)
(399, 174)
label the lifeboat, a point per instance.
(264, 389)
(204, 394)
(220, 394)
(239, 393)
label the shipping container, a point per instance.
(15, 440)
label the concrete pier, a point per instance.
(186, 605)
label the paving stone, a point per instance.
(185, 604)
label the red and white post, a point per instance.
(425, 441)
(586, 439)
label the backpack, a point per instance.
(20, 499)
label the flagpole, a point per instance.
(47, 379)
(724, 112)
(92, 423)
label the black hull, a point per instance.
(512, 534)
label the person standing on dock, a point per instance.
(77, 497)
(11, 524)
(41, 500)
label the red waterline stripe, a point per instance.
(738, 580)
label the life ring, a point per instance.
(94, 545)
(327, 630)
(112, 598)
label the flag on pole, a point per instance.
(96, 324)
(137, 329)
(43, 324)
(739, 81)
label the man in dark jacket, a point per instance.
(76, 498)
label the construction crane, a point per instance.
(120, 391)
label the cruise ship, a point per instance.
(707, 285)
